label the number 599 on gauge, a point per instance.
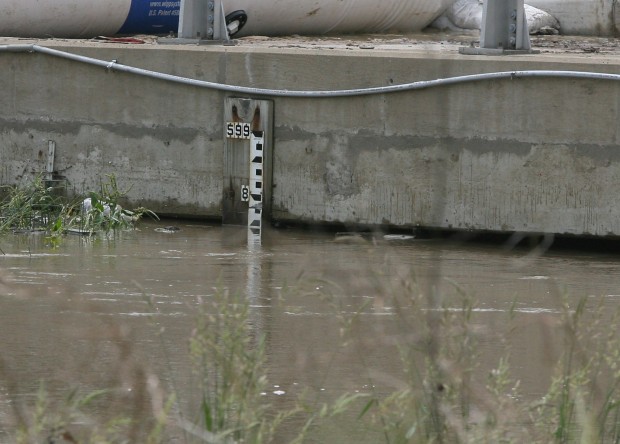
(238, 130)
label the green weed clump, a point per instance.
(78, 419)
(448, 397)
(32, 207)
(229, 360)
(38, 207)
(50, 422)
(583, 400)
(228, 355)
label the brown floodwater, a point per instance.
(116, 312)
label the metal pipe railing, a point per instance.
(423, 84)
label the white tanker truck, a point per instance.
(90, 18)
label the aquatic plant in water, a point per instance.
(32, 207)
(37, 207)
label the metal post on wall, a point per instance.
(205, 21)
(504, 29)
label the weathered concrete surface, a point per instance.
(532, 155)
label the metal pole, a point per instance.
(201, 21)
(504, 25)
(504, 29)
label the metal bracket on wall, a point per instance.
(49, 164)
(504, 30)
(50, 176)
(205, 22)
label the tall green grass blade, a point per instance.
(208, 417)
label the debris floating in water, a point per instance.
(398, 237)
(352, 237)
(168, 229)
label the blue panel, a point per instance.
(152, 17)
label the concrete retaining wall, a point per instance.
(532, 155)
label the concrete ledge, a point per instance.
(531, 155)
(473, 50)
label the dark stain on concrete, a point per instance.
(184, 135)
(367, 140)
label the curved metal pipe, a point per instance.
(423, 84)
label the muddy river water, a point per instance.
(106, 313)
